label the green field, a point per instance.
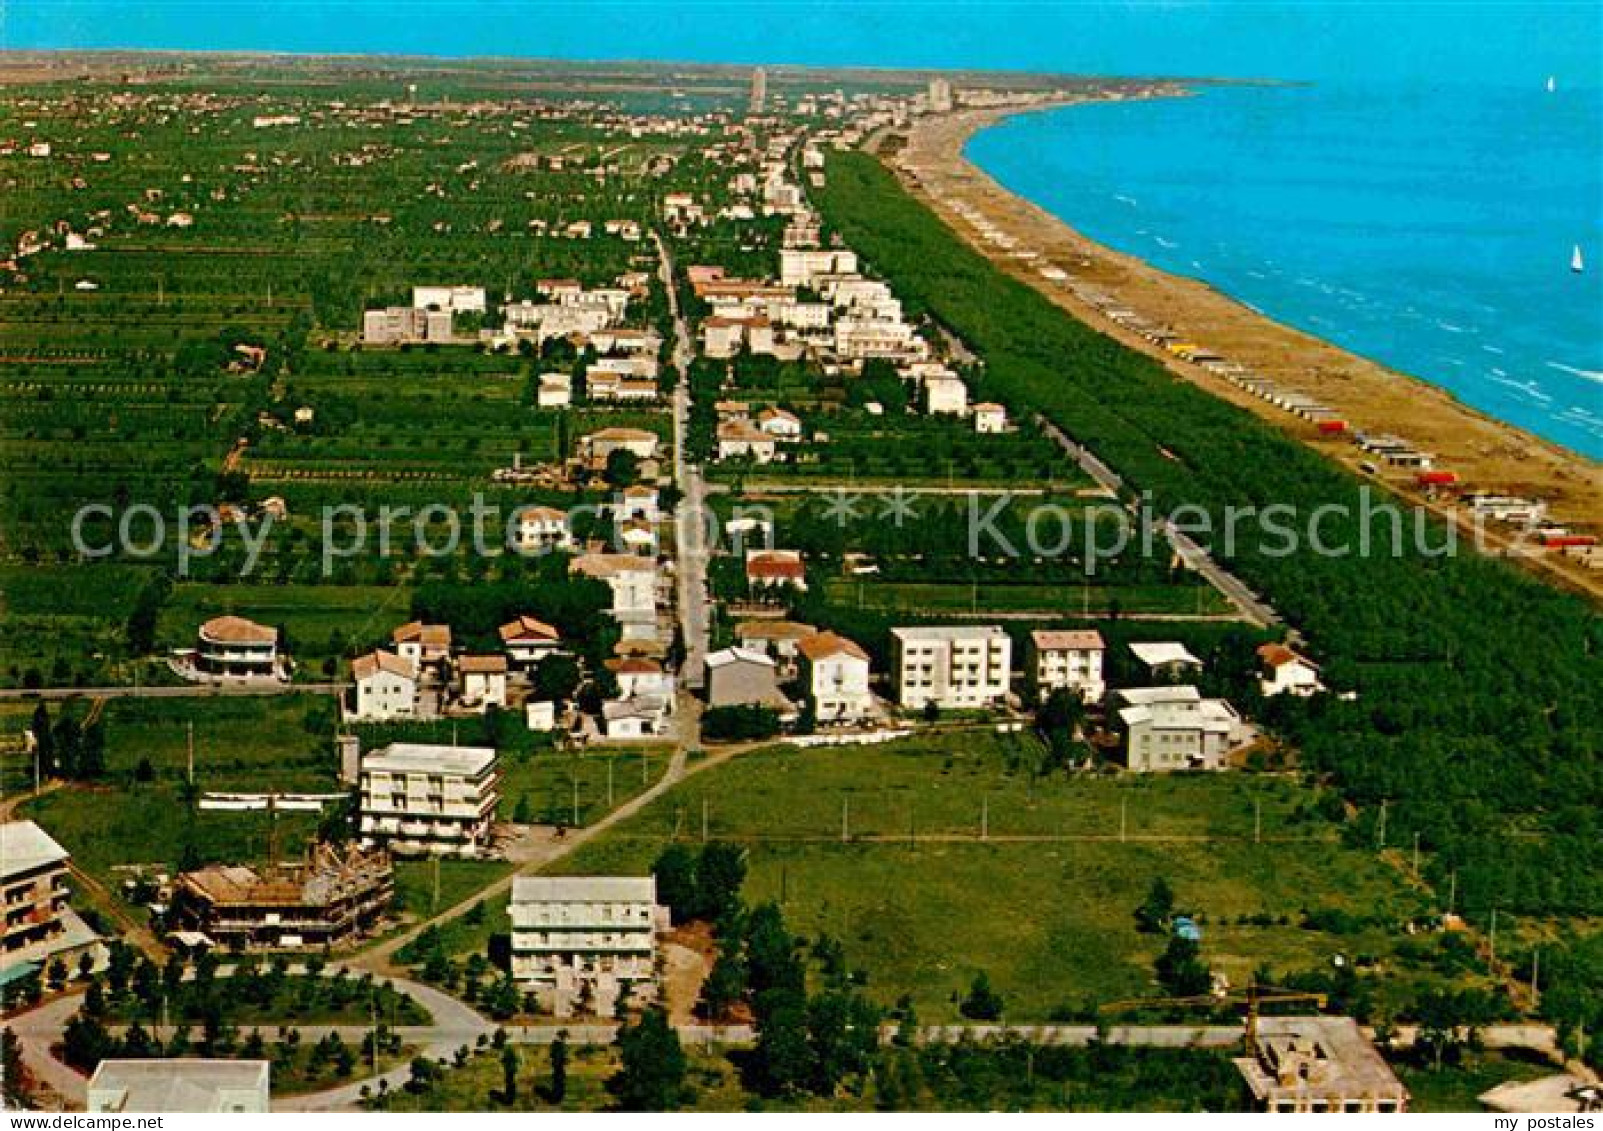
(319, 622)
(577, 787)
(1456, 1087)
(958, 861)
(240, 744)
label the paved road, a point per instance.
(184, 691)
(1253, 607)
(690, 517)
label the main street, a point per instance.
(691, 529)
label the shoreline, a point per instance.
(1488, 454)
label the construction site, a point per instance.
(335, 894)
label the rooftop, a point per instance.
(237, 630)
(182, 1085)
(528, 628)
(434, 635)
(948, 632)
(417, 758)
(725, 656)
(366, 667)
(824, 644)
(1159, 653)
(1068, 639)
(584, 889)
(24, 846)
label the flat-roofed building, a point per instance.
(585, 937)
(952, 666)
(429, 800)
(1065, 658)
(1174, 728)
(184, 1084)
(401, 325)
(40, 924)
(457, 299)
(1319, 1064)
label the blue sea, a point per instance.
(1427, 227)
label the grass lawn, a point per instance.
(1455, 1087)
(425, 887)
(241, 744)
(577, 787)
(309, 614)
(1049, 915)
(151, 824)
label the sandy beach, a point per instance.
(1487, 454)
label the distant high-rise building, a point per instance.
(759, 91)
(940, 96)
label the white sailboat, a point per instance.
(1577, 264)
(1552, 84)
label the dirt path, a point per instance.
(379, 958)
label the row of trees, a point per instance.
(67, 747)
(1474, 681)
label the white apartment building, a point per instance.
(39, 923)
(579, 936)
(395, 325)
(429, 800)
(945, 396)
(555, 320)
(1175, 728)
(953, 666)
(457, 300)
(801, 266)
(864, 338)
(1066, 658)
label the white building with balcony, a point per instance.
(234, 646)
(580, 940)
(1175, 728)
(952, 666)
(1066, 658)
(424, 800)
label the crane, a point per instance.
(1254, 997)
